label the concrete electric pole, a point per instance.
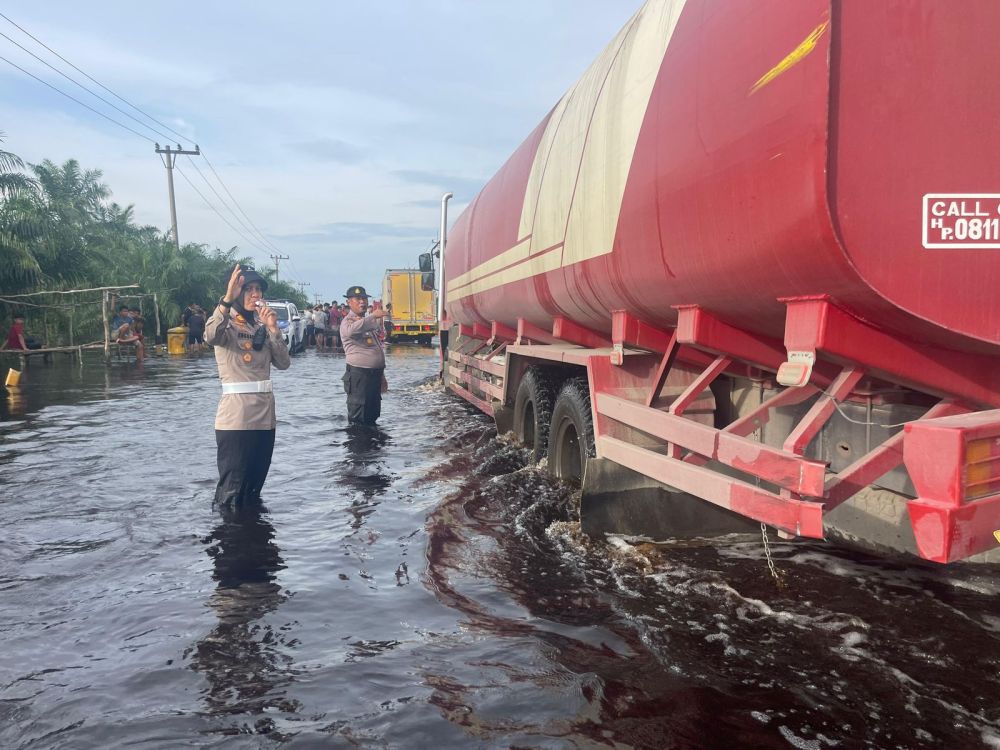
(169, 157)
(277, 259)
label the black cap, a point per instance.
(250, 275)
(356, 291)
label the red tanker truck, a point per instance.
(752, 257)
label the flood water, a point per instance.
(423, 587)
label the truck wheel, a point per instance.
(571, 436)
(533, 411)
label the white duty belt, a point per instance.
(254, 386)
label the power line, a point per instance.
(211, 206)
(250, 239)
(237, 204)
(248, 225)
(82, 104)
(89, 91)
(294, 271)
(223, 202)
(81, 72)
(252, 228)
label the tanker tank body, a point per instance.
(749, 258)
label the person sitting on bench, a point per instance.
(121, 318)
(16, 339)
(127, 334)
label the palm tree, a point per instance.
(71, 206)
(19, 227)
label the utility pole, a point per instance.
(169, 157)
(302, 287)
(277, 259)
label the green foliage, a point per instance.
(19, 225)
(60, 230)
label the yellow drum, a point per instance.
(13, 377)
(176, 337)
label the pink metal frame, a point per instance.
(816, 324)
(803, 488)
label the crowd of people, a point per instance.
(322, 324)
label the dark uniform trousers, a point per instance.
(244, 457)
(363, 386)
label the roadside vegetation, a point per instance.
(60, 230)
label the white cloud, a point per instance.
(317, 115)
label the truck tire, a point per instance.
(533, 411)
(571, 435)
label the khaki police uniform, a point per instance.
(245, 419)
(365, 367)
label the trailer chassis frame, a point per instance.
(827, 356)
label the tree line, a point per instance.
(60, 230)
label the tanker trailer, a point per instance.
(751, 258)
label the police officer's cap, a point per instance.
(356, 291)
(250, 276)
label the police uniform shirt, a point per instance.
(361, 346)
(239, 363)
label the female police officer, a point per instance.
(245, 349)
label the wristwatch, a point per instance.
(222, 301)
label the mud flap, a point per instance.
(504, 417)
(617, 500)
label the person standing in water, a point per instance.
(364, 379)
(247, 341)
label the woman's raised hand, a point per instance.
(235, 287)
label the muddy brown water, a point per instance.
(424, 587)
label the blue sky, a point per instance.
(337, 126)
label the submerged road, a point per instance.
(423, 587)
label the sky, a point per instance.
(336, 126)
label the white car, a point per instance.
(290, 323)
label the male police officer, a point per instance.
(364, 380)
